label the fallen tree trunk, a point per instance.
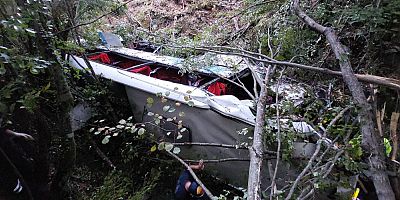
(371, 143)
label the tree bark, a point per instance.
(64, 99)
(256, 150)
(371, 143)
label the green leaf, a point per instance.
(134, 129)
(183, 130)
(34, 71)
(176, 150)
(150, 114)
(119, 126)
(106, 139)
(179, 136)
(168, 146)
(166, 108)
(171, 110)
(153, 148)
(91, 130)
(47, 87)
(150, 101)
(191, 103)
(161, 146)
(141, 131)
(157, 121)
(29, 30)
(388, 147)
(167, 93)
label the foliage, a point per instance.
(23, 75)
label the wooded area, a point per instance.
(73, 124)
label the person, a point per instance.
(11, 156)
(187, 188)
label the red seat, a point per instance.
(103, 57)
(145, 70)
(217, 88)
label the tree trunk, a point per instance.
(371, 143)
(43, 46)
(256, 150)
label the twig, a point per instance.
(269, 45)
(209, 194)
(278, 136)
(247, 9)
(241, 86)
(308, 194)
(219, 145)
(220, 160)
(333, 163)
(210, 144)
(99, 152)
(94, 20)
(289, 196)
(337, 117)
(393, 133)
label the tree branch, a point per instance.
(220, 160)
(219, 145)
(210, 195)
(289, 196)
(253, 183)
(278, 136)
(388, 82)
(370, 141)
(94, 20)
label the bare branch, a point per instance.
(289, 196)
(221, 160)
(94, 20)
(210, 144)
(220, 145)
(241, 86)
(247, 9)
(278, 136)
(193, 174)
(308, 194)
(256, 150)
(388, 82)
